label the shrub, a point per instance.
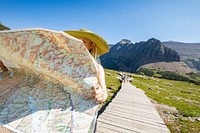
(146, 71)
(190, 77)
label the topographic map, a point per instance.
(47, 88)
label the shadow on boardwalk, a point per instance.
(130, 111)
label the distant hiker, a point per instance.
(123, 78)
(96, 45)
(127, 78)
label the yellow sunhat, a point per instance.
(101, 44)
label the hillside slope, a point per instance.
(180, 67)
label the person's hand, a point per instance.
(99, 94)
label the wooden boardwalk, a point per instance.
(130, 111)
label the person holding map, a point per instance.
(96, 45)
(53, 76)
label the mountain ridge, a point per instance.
(128, 56)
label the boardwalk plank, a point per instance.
(135, 118)
(114, 127)
(137, 115)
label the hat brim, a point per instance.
(101, 44)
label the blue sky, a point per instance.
(136, 20)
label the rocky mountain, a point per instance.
(189, 52)
(128, 56)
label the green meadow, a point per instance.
(112, 83)
(177, 102)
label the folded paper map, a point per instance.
(47, 88)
